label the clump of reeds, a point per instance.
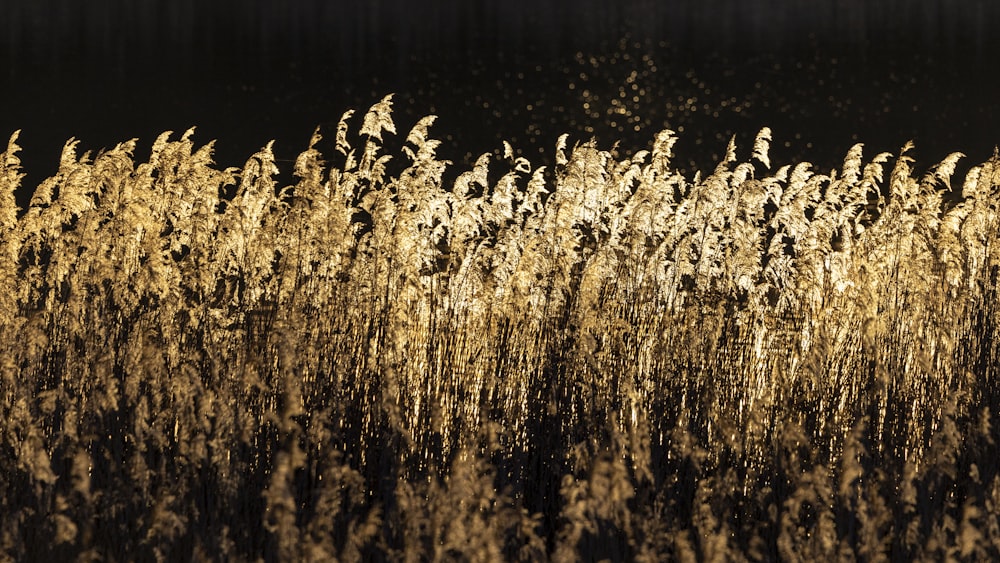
(607, 359)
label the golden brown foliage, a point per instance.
(603, 360)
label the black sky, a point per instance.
(822, 73)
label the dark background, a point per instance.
(823, 74)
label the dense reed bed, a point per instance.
(602, 360)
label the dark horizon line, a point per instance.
(53, 33)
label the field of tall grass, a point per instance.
(606, 359)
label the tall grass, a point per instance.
(605, 360)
